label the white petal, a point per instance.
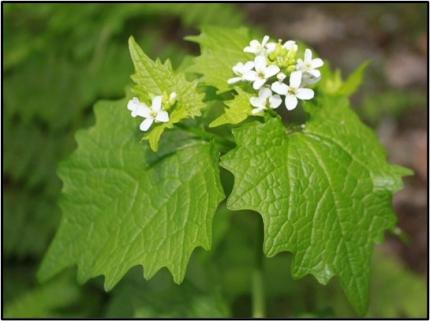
(308, 55)
(290, 45)
(238, 68)
(234, 80)
(249, 49)
(141, 110)
(162, 116)
(260, 63)
(317, 62)
(254, 43)
(133, 103)
(257, 111)
(144, 126)
(300, 65)
(291, 102)
(280, 88)
(256, 102)
(258, 83)
(281, 76)
(265, 40)
(248, 66)
(156, 103)
(271, 46)
(295, 79)
(264, 93)
(271, 71)
(305, 93)
(275, 101)
(250, 76)
(314, 73)
(253, 47)
(308, 79)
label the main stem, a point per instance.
(258, 297)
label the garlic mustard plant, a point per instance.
(322, 196)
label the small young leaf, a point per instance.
(154, 78)
(332, 83)
(124, 205)
(324, 192)
(237, 111)
(353, 81)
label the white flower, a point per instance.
(152, 114)
(263, 48)
(293, 92)
(281, 76)
(309, 65)
(172, 98)
(262, 72)
(290, 45)
(264, 100)
(240, 69)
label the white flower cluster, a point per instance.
(273, 64)
(155, 113)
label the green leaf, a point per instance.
(353, 81)
(124, 205)
(221, 49)
(332, 83)
(154, 78)
(324, 191)
(237, 110)
(159, 298)
(44, 301)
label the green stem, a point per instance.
(258, 304)
(201, 133)
(258, 296)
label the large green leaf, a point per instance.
(124, 205)
(324, 191)
(221, 48)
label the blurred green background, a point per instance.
(59, 59)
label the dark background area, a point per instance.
(59, 59)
